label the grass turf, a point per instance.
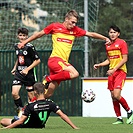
(86, 125)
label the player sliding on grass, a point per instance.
(63, 35)
(36, 114)
(117, 54)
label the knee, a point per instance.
(74, 75)
(116, 96)
(30, 96)
(2, 122)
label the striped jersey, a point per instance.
(63, 39)
(115, 52)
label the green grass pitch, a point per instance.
(86, 125)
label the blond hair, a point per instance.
(71, 13)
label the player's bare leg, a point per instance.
(15, 91)
(50, 80)
(30, 91)
(51, 88)
(73, 72)
(17, 98)
(68, 73)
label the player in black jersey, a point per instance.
(36, 113)
(24, 68)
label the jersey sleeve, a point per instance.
(16, 46)
(124, 47)
(79, 32)
(49, 29)
(54, 108)
(33, 53)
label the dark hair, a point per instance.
(115, 28)
(39, 88)
(72, 13)
(23, 31)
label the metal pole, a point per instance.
(86, 59)
(132, 16)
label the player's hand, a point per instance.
(24, 72)
(76, 128)
(110, 72)
(96, 66)
(13, 71)
(108, 41)
(20, 45)
(3, 128)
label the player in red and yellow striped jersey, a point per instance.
(63, 35)
(117, 54)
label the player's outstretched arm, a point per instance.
(16, 123)
(66, 119)
(98, 36)
(31, 38)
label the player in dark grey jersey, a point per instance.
(23, 71)
(35, 114)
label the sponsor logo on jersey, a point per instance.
(116, 45)
(64, 40)
(41, 106)
(25, 52)
(21, 67)
(114, 56)
(21, 59)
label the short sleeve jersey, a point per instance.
(38, 112)
(115, 52)
(63, 39)
(26, 56)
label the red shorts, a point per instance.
(56, 65)
(117, 80)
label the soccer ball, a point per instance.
(88, 95)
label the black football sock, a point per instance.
(18, 102)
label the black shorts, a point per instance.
(20, 79)
(30, 124)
